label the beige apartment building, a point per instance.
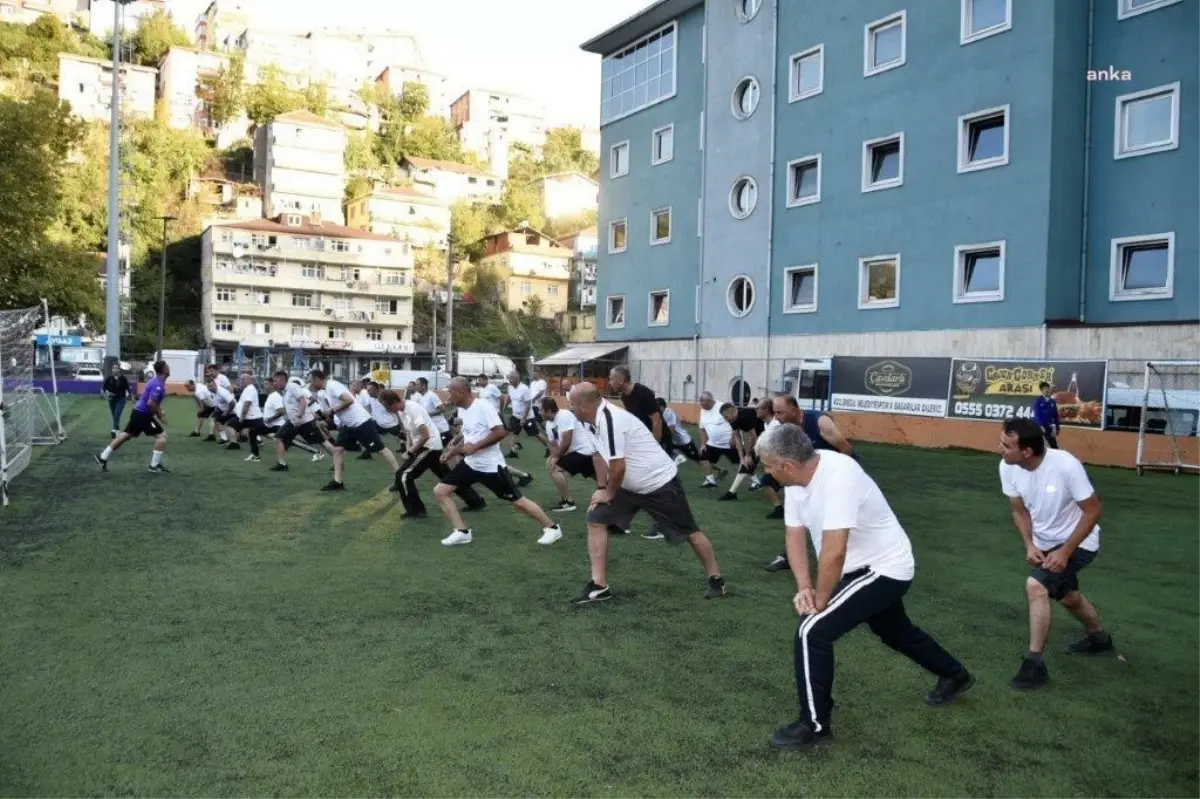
(296, 283)
(181, 76)
(86, 83)
(299, 161)
(406, 214)
(450, 182)
(531, 266)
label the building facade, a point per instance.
(181, 76)
(484, 116)
(408, 215)
(298, 283)
(220, 24)
(86, 83)
(891, 178)
(26, 12)
(299, 161)
(568, 194)
(393, 78)
(583, 246)
(576, 327)
(534, 271)
(451, 182)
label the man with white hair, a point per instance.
(716, 441)
(633, 473)
(864, 568)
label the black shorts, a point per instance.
(752, 468)
(204, 413)
(498, 482)
(1059, 584)
(366, 435)
(225, 417)
(667, 507)
(142, 423)
(769, 481)
(714, 454)
(307, 431)
(577, 465)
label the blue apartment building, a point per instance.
(785, 179)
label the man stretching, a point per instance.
(148, 418)
(865, 567)
(677, 440)
(747, 425)
(571, 451)
(204, 406)
(250, 416)
(354, 425)
(1056, 510)
(301, 422)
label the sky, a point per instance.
(528, 47)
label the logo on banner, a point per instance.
(888, 378)
(967, 377)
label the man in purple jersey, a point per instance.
(147, 417)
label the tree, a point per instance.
(564, 152)
(469, 224)
(224, 93)
(29, 53)
(155, 35)
(432, 137)
(315, 98)
(271, 96)
(414, 101)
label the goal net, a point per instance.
(1167, 429)
(29, 415)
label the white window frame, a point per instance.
(883, 22)
(792, 201)
(1116, 293)
(735, 107)
(650, 307)
(867, 185)
(219, 323)
(729, 296)
(794, 93)
(225, 294)
(670, 26)
(654, 224)
(967, 37)
(733, 210)
(612, 227)
(964, 139)
(1119, 122)
(608, 322)
(613, 174)
(959, 290)
(787, 288)
(863, 284)
(654, 139)
(1125, 12)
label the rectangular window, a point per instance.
(879, 281)
(374, 334)
(225, 295)
(1147, 122)
(659, 309)
(639, 75)
(618, 160)
(552, 290)
(386, 306)
(312, 271)
(984, 18)
(526, 288)
(618, 235)
(261, 328)
(883, 163)
(260, 297)
(302, 300)
(660, 226)
(616, 311)
(1143, 268)
(800, 289)
(807, 73)
(979, 272)
(302, 331)
(337, 245)
(804, 181)
(1131, 8)
(884, 45)
(983, 139)
(662, 145)
(337, 333)
(223, 325)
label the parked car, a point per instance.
(89, 374)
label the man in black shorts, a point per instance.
(301, 421)
(354, 426)
(747, 425)
(633, 473)
(641, 402)
(482, 463)
(571, 451)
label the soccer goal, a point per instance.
(29, 416)
(1167, 430)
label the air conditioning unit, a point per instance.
(328, 311)
(349, 284)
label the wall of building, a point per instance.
(86, 83)
(569, 196)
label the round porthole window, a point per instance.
(743, 197)
(746, 9)
(741, 295)
(739, 392)
(745, 97)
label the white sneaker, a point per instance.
(653, 536)
(319, 456)
(253, 459)
(457, 538)
(680, 460)
(549, 535)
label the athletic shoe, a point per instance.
(949, 688)
(233, 445)
(716, 588)
(728, 496)
(414, 515)
(394, 489)
(366, 456)
(1031, 676)
(550, 535)
(709, 484)
(653, 535)
(614, 530)
(210, 437)
(680, 460)
(159, 469)
(193, 435)
(475, 509)
(755, 484)
(1092, 644)
(279, 467)
(565, 505)
(253, 459)
(112, 433)
(333, 485)
(457, 538)
(593, 593)
(511, 455)
(318, 456)
(798, 735)
(777, 564)
(103, 464)
(524, 481)
(776, 512)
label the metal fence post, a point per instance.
(670, 378)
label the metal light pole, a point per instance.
(162, 285)
(112, 299)
(450, 240)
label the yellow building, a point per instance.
(534, 271)
(577, 327)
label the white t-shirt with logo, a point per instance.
(273, 405)
(537, 390)
(416, 417)
(291, 403)
(841, 496)
(618, 434)
(518, 397)
(432, 404)
(253, 410)
(720, 434)
(679, 433)
(567, 422)
(1052, 493)
(353, 415)
(478, 419)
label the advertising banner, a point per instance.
(907, 386)
(991, 389)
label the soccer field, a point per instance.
(228, 631)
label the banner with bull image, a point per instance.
(993, 389)
(906, 386)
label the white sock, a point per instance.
(155, 458)
(712, 478)
(224, 440)
(737, 483)
(106, 454)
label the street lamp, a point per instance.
(162, 284)
(451, 240)
(112, 300)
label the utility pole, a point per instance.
(112, 294)
(450, 241)
(433, 297)
(162, 285)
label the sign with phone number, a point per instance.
(987, 410)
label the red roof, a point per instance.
(306, 228)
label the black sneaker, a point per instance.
(473, 508)
(511, 455)
(778, 564)
(333, 485)
(210, 438)
(728, 496)
(614, 530)
(394, 489)
(193, 435)
(709, 484)
(798, 735)
(233, 445)
(524, 481)
(103, 464)
(565, 505)
(716, 588)
(159, 469)
(949, 688)
(414, 515)
(1031, 676)
(1092, 644)
(776, 512)
(593, 593)
(279, 467)
(366, 456)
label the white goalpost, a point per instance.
(1170, 416)
(28, 415)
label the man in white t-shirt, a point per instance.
(633, 473)
(224, 413)
(300, 422)
(432, 404)
(205, 407)
(1056, 511)
(486, 391)
(520, 410)
(571, 451)
(249, 418)
(716, 441)
(680, 441)
(482, 462)
(864, 568)
(538, 390)
(354, 424)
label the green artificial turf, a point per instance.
(227, 631)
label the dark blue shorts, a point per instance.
(1059, 584)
